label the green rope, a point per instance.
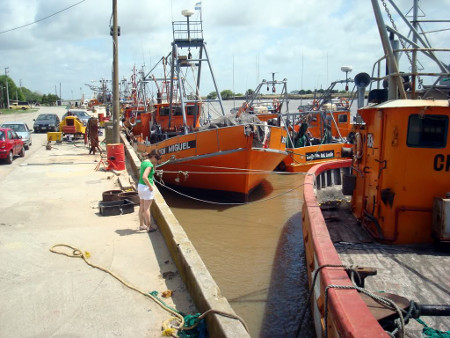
(199, 331)
(429, 332)
(155, 294)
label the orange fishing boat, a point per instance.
(228, 154)
(374, 226)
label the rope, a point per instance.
(226, 203)
(257, 171)
(77, 253)
(383, 300)
(187, 172)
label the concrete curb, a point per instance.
(202, 287)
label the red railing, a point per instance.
(348, 315)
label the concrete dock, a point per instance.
(50, 197)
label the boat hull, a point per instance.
(224, 159)
(348, 314)
(304, 158)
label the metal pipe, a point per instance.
(400, 209)
(414, 54)
(395, 84)
(116, 107)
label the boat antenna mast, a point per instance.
(418, 44)
(188, 34)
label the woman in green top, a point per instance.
(145, 190)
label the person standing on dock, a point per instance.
(145, 190)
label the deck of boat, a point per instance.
(417, 273)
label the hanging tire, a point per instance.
(10, 157)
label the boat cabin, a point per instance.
(401, 165)
(171, 123)
(318, 120)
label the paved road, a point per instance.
(50, 197)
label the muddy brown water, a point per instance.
(255, 253)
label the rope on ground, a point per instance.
(192, 321)
(77, 253)
(429, 332)
(160, 182)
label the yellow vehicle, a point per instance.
(20, 105)
(72, 125)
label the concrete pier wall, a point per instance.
(202, 287)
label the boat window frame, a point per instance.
(420, 144)
(342, 115)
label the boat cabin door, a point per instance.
(372, 166)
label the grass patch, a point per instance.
(17, 111)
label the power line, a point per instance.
(42, 19)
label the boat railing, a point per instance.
(187, 31)
(442, 76)
(348, 314)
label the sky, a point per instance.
(304, 41)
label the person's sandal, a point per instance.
(150, 229)
(143, 228)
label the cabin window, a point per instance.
(342, 118)
(429, 131)
(164, 111)
(191, 110)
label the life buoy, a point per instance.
(276, 105)
(315, 104)
(357, 149)
(242, 109)
(345, 102)
(130, 122)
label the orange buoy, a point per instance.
(116, 156)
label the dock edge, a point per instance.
(199, 282)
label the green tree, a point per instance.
(212, 96)
(249, 92)
(12, 90)
(226, 94)
(30, 96)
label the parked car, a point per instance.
(22, 130)
(10, 145)
(81, 114)
(46, 122)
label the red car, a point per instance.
(11, 145)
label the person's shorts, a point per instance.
(144, 192)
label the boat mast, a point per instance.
(188, 34)
(414, 53)
(395, 79)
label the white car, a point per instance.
(22, 130)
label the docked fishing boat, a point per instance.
(373, 224)
(319, 132)
(230, 155)
(266, 109)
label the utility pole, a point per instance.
(115, 86)
(7, 90)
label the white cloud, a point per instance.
(75, 47)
